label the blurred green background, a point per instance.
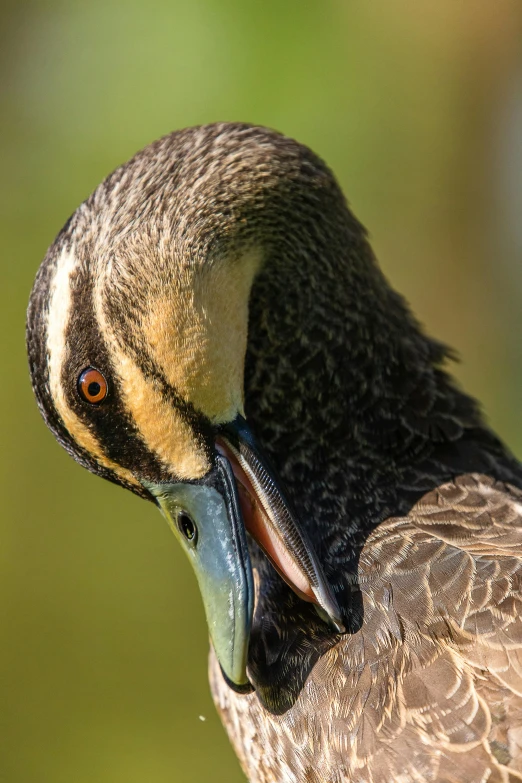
(418, 109)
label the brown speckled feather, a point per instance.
(430, 687)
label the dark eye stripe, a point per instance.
(110, 422)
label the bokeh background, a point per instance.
(418, 109)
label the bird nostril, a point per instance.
(187, 527)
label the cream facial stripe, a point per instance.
(59, 312)
(162, 427)
(197, 333)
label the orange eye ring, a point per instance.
(92, 386)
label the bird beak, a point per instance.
(270, 520)
(206, 519)
(209, 517)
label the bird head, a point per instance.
(138, 325)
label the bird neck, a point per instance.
(342, 386)
(350, 401)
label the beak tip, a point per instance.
(336, 619)
(331, 615)
(242, 688)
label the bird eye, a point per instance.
(92, 386)
(187, 527)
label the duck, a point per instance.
(211, 331)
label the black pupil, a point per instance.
(93, 388)
(187, 526)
